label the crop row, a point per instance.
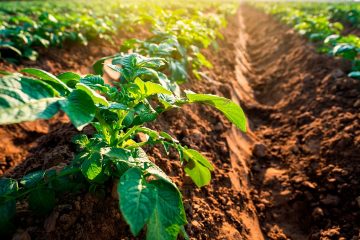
(315, 22)
(25, 26)
(150, 71)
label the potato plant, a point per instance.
(26, 26)
(118, 112)
(315, 22)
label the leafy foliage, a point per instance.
(118, 113)
(149, 70)
(316, 21)
(26, 26)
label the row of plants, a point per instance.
(178, 37)
(319, 28)
(24, 26)
(27, 25)
(120, 112)
(346, 13)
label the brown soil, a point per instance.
(305, 168)
(303, 148)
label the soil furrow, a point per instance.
(305, 165)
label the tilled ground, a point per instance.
(304, 136)
(306, 168)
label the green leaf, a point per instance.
(81, 139)
(7, 212)
(120, 158)
(69, 78)
(7, 186)
(168, 137)
(154, 88)
(168, 215)
(196, 156)
(145, 114)
(203, 61)
(151, 133)
(32, 110)
(26, 99)
(92, 166)
(230, 109)
(92, 80)
(347, 51)
(97, 98)
(42, 200)
(32, 179)
(137, 199)
(79, 107)
(142, 161)
(118, 153)
(150, 88)
(355, 74)
(99, 65)
(43, 75)
(199, 173)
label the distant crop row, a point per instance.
(323, 25)
(24, 26)
(150, 71)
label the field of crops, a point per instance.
(189, 119)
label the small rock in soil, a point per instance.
(330, 200)
(317, 213)
(259, 150)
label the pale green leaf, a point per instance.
(230, 109)
(92, 166)
(196, 156)
(198, 173)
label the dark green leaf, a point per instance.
(32, 179)
(25, 99)
(137, 199)
(7, 212)
(7, 186)
(69, 78)
(79, 107)
(41, 74)
(42, 201)
(168, 215)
